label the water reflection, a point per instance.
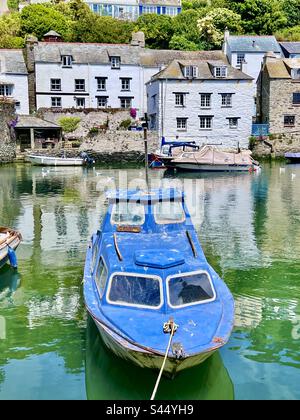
(9, 282)
(109, 377)
(249, 226)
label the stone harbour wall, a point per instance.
(7, 137)
(276, 145)
(101, 135)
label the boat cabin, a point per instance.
(147, 255)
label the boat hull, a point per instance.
(213, 168)
(13, 242)
(53, 161)
(146, 359)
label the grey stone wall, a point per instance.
(7, 136)
(281, 144)
(280, 103)
(111, 145)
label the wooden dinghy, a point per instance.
(9, 241)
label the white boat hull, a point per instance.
(146, 359)
(214, 168)
(55, 161)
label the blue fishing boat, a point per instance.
(148, 286)
(9, 241)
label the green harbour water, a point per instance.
(249, 226)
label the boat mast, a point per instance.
(146, 151)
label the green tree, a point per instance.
(38, 19)
(263, 17)
(289, 34)
(89, 27)
(180, 42)
(185, 24)
(291, 10)
(13, 4)
(10, 31)
(213, 25)
(158, 30)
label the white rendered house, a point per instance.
(206, 101)
(14, 79)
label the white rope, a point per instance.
(164, 362)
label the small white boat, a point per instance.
(211, 159)
(9, 241)
(55, 161)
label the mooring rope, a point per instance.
(170, 327)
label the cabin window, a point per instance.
(130, 290)
(190, 289)
(94, 256)
(166, 212)
(128, 213)
(101, 276)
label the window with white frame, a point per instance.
(6, 90)
(150, 9)
(226, 99)
(205, 122)
(56, 102)
(220, 71)
(180, 99)
(205, 100)
(181, 123)
(66, 60)
(233, 122)
(240, 59)
(79, 84)
(115, 62)
(101, 83)
(55, 84)
(125, 83)
(190, 71)
(102, 101)
(125, 103)
(171, 11)
(80, 102)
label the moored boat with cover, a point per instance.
(149, 287)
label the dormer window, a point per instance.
(220, 71)
(115, 62)
(66, 60)
(190, 71)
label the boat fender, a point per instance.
(12, 257)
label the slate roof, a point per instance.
(205, 70)
(28, 121)
(281, 68)
(253, 43)
(157, 58)
(290, 47)
(12, 62)
(51, 52)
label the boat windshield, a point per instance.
(166, 212)
(131, 290)
(190, 289)
(128, 213)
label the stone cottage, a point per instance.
(278, 94)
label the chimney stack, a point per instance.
(138, 39)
